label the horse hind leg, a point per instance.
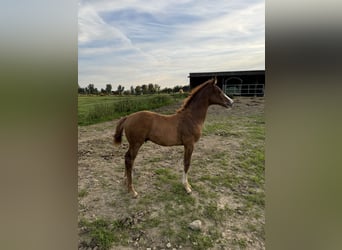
(129, 161)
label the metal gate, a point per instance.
(255, 89)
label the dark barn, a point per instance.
(234, 83)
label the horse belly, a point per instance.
(164, 133)
(164, 138)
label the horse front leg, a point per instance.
(187, 159)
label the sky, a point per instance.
(131, 42)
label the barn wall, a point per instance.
(250, 83)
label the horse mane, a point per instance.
(193, 94)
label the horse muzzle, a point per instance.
(228, 101)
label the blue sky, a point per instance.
(131, 42)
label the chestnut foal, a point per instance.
(182, 128)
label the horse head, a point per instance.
(217, 96)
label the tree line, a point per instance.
(137, 90)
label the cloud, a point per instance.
(135, 42)
(92, 28)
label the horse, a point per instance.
(182, 128)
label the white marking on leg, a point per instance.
(135, 194)
(185, 178)
(186, 183)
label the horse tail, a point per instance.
(119, 131)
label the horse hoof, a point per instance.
(135, 194)
(188, 190)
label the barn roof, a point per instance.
(228, 73)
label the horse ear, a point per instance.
(215, 80)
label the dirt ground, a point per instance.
(103, 195)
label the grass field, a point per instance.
(94, 109)
(227, 176)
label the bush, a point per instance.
(107, 111)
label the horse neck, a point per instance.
(198, 109)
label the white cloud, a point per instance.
(165, 40)
(93, 28)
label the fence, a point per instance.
(244, 89)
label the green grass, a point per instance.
(103, 233)
(82, 193)
(168, 180)
(222, 128)
(248, 161)
(242, 243)
(94, 109)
